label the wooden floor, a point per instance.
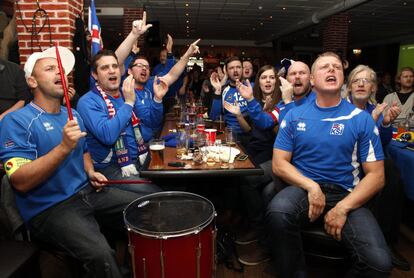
(405, 247)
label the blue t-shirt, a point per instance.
(230, 94)
(328, 144)
(31, 133)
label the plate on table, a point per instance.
(221, 152)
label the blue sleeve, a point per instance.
(14, 140)
(284, 139)
(95, 116)
(385, 132)
(369, 143)
(128, 60)
(216, 108)
(284, 108)
(260, 118)
(149, 111)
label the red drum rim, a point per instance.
(166, 235)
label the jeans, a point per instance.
(74, 226)
(251, 188)
(361, 235)
(113, 172)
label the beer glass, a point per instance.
(157, 147)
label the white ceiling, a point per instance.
(375, 22)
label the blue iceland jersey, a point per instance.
(148, 110)
(31, 133)
(328, 144)
(102, 131)
(230, 94)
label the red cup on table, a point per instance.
(210, 135)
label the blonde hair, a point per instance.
(326, 54)
(372, 75)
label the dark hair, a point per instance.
(257, 92)
(101, 53)
(231, 59)
(136, 57)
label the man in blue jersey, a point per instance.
(230, 94)
(144, 88)
(330, 153)
(116, 122)
(49, 166)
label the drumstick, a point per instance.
(125, 181)
(122, 182)
(62, 77)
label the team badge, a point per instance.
(301, 126)
(337, 129)
(48, 126)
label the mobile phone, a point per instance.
(176, 164)
(242, 157)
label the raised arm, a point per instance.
(179, 67)
(139, 27)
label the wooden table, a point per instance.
(238, 168)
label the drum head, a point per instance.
(169, 213)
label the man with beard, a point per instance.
(299, 78)
(229, 93)
(58, 192)
(151, 116)
(322, 149)
(405, 96)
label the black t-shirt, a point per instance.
(403, 97)
(13, 85)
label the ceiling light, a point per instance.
(405, 3)
(284, 8)
(261, 23)
(187, 14)
(356, 51)
(260, 7)
(254, 29)
(187, 21)
(186, 4)
(187, 26)
(349, 21)
(212, 45)
(270, 17)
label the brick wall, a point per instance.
(131, 14)
(335, 33)
(62, 14)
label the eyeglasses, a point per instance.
(141, 66)
(363, 80)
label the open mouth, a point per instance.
(298, 85)
(113, 79)
(331, 79)
(58, 82)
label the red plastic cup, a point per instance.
(210, 135)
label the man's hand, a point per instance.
(160, 88)
(232, 108)
(192, 49)
(287, 90)
(71, 94)
(128, 90)
(71, 135)
(135, 48)
(246, 91)
(139, 27)
(96, 179)
(391, 114)
(334, 221)
(223, 76)
(169, 44)
(215, 82)
(316, 200)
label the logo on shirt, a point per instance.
(48, 126)
(8, 166)
(337, 129)
(283, 124)
(301, 126)
(9, 143)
